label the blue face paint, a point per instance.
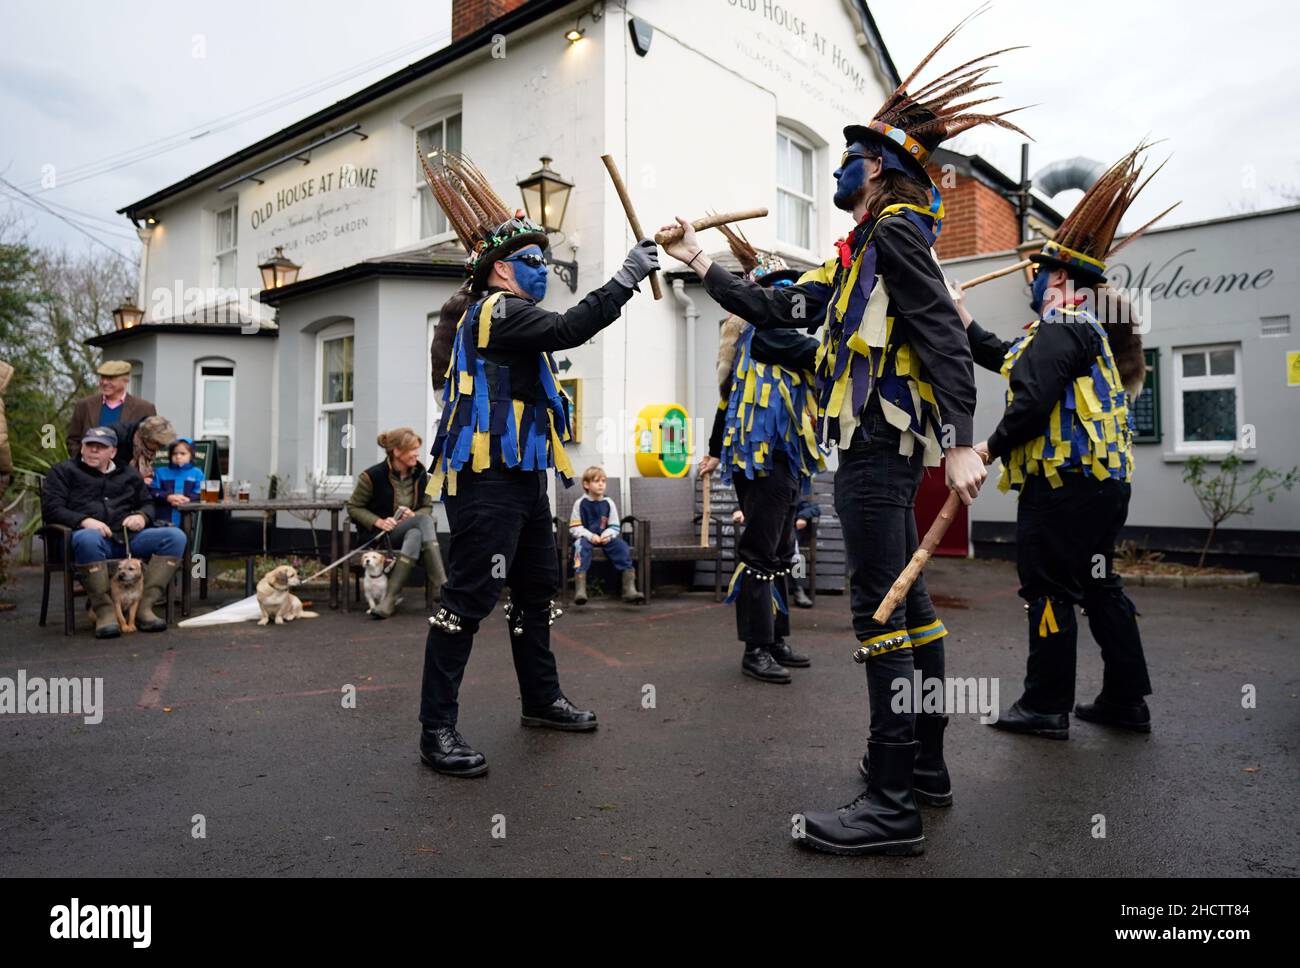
(850, 180)
(1038, 291)
(531, 280)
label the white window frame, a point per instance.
(421, 183)
(1207, 382)
(231, 250)
(810, 199)
(334, 482)
(200, 378)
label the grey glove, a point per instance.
(642, 260)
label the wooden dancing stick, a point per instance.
(707, 481)
(905, 580)
(709, 222)
(995, 274)
(632, 220)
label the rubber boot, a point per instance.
(580, 588)
(630, 594)
(393, 593)
(930, 782)
(158, 573)
(435, 571)
(884, 819)
(94, 579)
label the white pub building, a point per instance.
(706, 105)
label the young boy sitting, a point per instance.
(594, 521)
(176, 484)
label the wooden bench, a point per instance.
(668, 527)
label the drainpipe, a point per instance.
(692, 316)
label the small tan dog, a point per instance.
(276, 601)
(374, 581)
(127, 588)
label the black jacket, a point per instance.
(73, 492)
(923, 311)
(782, 347)
(1060, 352)
(523, 329)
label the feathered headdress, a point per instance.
(914, 123)
(485, 226)
(765, 268)
(1084, 241)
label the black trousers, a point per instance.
(1065, 550)
(765, 546)
(875, 489)
(501, 534)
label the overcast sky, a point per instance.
(87, 86)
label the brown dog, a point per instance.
(276, 601)
(127, 587)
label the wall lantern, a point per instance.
(546, 198)
(279, 271)
(128, 315)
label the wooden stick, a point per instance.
(635, 222)
(707, 481)
(709, 222)
(995, 274)
(898, 591)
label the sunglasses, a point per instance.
(528, 259)
(849, 156)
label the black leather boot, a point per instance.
(1135, 716)
(560, 714)
(759, 664)
(1019, 719)
(884, 819)
(787, 656)
(446, 751)
(930, 782)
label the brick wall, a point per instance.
(977, 218)
(468, 16)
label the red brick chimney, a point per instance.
(468, 16)
(977, 219)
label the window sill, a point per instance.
(1214, 457)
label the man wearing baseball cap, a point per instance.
(107, 505)
(111, 405)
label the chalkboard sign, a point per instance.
(1146, 408)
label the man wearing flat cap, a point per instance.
(111, 405)
(109, 510)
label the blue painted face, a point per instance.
(530, 278)
(850, 178)
(1038, 290)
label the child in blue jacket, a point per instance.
(177, 483)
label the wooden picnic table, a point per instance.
(339, 538)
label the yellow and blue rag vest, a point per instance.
(859, 353)
(767, 413)
(1090, 426)
(482, 424)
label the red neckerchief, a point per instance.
(845, 245)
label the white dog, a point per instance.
(374, 581)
